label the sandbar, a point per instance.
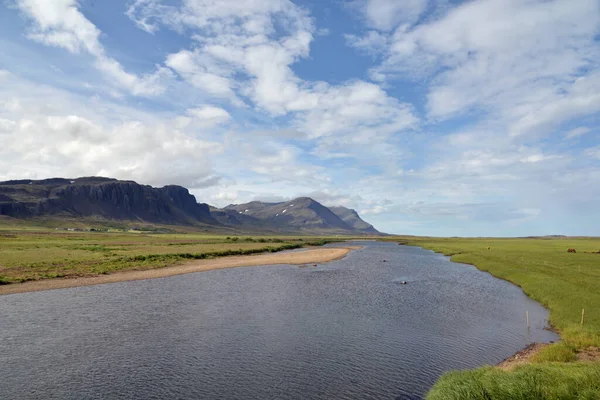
(309, 256)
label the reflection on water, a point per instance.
(345, 330)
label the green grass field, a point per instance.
(31, 254)
(563, 282)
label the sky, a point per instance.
(429, 117)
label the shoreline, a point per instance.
(309, 256)
(522, 356)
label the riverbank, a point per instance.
(533, 352)
(521, 357)
(32, 255)
(564, 282)
(309, 256)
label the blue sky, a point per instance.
(430, 117)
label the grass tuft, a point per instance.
(529, 382)
(557, 352)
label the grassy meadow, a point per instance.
(563, 282)
(31, 254)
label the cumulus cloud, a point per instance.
(527, 62)
(387, 14)
(59, 23)
(209, 116)
(240, 54)
(205, 73)
(41, 141)
(454, 124)
(356, 107)
(276, 162)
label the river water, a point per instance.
(344, 330)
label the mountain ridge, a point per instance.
(108, 199)
(351, 217)
(302, 213)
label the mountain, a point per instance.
(351, 217)
(304, 215)
(236, 220)
(101, 198)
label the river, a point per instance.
(344, 330)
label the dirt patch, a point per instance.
(589, 354)
(522, 357)
(310, 256)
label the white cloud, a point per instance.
(241, 54)
(95, 138)
(580, 98)
(358, 108)
(387, 14)
(528, 63)
(333, 197)
(238, 123)
(277, 162)
(209, 115)
(374, 210)
(472, 212)
(205, 73)
(577, 132)
(142, 11)
(372, 42)
(593, 152)
(59, 23)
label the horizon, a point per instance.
(430, 117)
(327, 206)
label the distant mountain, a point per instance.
(304, 215)
(100, 199)
(239, 221)
(351, 217)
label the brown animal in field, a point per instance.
(571, 251)
(489, 247)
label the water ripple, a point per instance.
(344, 330)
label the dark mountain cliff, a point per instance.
(102, 198)
(105, 199)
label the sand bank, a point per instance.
(309, 256)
